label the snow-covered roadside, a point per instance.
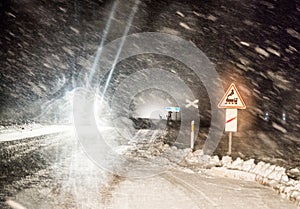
(264, 173)
(178, 190)
(196, 162)
(12, 133)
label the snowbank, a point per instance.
(264, 173)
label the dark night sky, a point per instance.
(46, 45)
(47, 48)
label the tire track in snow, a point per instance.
(106, 192)
(191, 190)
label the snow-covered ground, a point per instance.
(181, 190)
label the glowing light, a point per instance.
(266, 117)
(283, 116)
(120, 48)
(99, 50)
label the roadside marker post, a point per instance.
(231, 101)
(195, 105)
(192, 134)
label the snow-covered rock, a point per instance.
(278, 173)
(190, 155)
(188, 150)
(269, 170)
(263, 173)
(215, 161)
(174, 148)
(235, 174)
(237, 164)
(284, 178)
(297, 185)
(291, 182)
(266, 181)
(198, 152)
(281, 188)
(295, 194)
(274, 174)
(248, 165)
(205, 158)
(192, 159)
(274, 184)
(197, 157)
(263, 169)
(259, 179)
(297, 197)
(295, 172)
(287, 191)
(258, 167)
(226, 161)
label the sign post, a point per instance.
(231, 125)
(172, 109)
(231, 101)
(229, 143)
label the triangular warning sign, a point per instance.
(232, 99)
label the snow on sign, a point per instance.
(232, 99)
(173, 109)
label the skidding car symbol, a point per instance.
(230, 99)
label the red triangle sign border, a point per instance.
(232, 85)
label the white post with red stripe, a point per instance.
(231, 125)
(231, 120)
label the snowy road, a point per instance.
(11, 135)
(175, 189)
(54, 172)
